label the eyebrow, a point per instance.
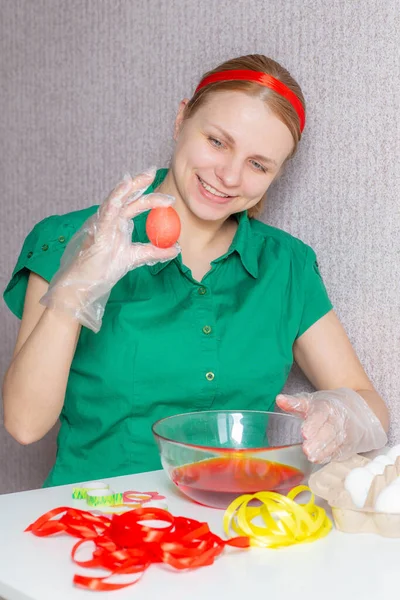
(232, 141)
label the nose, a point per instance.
(229, 173)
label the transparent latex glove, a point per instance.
(337, 424)
(102, 252)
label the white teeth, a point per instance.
(212, 190)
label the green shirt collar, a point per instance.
(245, 243)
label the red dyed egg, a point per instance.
(163, 226)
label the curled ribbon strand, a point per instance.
(125, 545)
(284, 521)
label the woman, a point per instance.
(211, 323)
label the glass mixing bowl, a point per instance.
(215, 456)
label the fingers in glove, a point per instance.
(297, 405)
(314, 422)
(147, 254)
(146, 203)
(325, 443)
(324, 454)
(128, 190)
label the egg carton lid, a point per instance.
(328, 483)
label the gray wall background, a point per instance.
(89, 90)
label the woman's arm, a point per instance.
(35, 382)
(100, 254)
(325, 355)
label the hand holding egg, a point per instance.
(102, 252)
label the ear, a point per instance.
(179, 117)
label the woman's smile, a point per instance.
(212, 193)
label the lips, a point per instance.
(210, 196)
(205, 183)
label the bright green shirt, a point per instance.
(170, 344)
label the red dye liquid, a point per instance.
(218, 481)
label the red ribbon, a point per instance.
(262, 79)
(124, 545)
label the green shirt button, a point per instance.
(210, 376)
(201, 291)
(45, 247)
(207, 329)
(30, 254)
(61, 239)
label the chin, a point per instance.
(209, 213)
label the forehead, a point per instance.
(249, 121)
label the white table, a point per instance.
(341, 566)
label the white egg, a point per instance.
(376, 468)
(388, 500)
(394, 452)
(357, 483)
(384, 460)
(396, 481)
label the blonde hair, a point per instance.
(279, 105)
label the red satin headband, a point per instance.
(262, 79)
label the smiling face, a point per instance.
(227, 154)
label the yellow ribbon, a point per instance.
(285, 522)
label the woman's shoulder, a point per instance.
(282, 240)
(70, 222)
(41, 253)
(52, 234)
(298, 259)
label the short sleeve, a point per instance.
(316, 302)
(41, 253)
(44, 246)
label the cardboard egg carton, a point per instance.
(328, 483)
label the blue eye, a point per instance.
(214, 142)
(258, 166)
